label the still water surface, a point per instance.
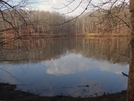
(73, 67)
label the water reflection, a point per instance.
(75, 67)
(73, 63)
(114, 50)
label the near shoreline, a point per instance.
(8, 93)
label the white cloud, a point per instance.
(63, 6)
(54, 1)
(45, 8)
(69, 7)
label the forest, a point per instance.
(19, 23)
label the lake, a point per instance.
(66, 66)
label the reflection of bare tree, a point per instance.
(10, 74)
(113, 50)
(38, 50)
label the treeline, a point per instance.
(115, 20)
(51, 23)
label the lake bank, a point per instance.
(9, 92)
(109, 35)
(42, 35)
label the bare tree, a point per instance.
(110, 4)
(130, 92)
(13, 19)
(9, 16)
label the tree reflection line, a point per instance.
(11, 75)
(83, 89)
(115, 51)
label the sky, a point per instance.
(71, 7)
(66, 7)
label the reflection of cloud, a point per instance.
(68, 65)
(73, 63)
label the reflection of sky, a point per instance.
(76, 63)
(65, 74)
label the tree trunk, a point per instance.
(130, 91)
